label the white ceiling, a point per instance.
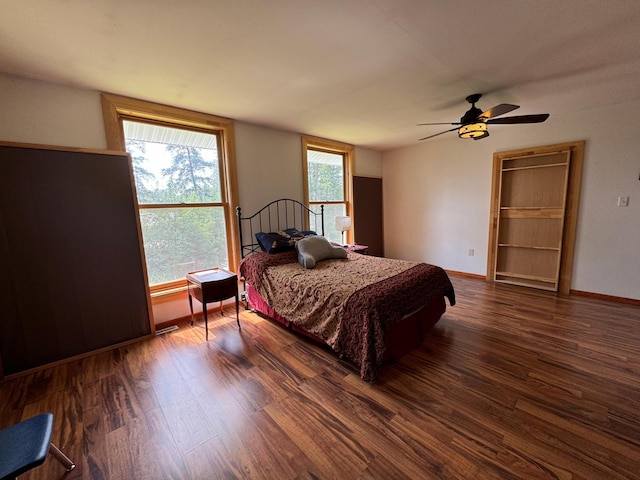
(359, 71)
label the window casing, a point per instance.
(184, 169)
(327, 170)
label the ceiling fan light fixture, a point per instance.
(473, 123)
(473, 130)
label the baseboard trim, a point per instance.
(577, 293)
(608, 298)
(466, 274)
(80, 356)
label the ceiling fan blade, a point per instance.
(539, 118)
(443, 123)
(497, 110)
(431, 136)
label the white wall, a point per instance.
(269, 166)
(48, 114)
(437, 197)
(368, 163)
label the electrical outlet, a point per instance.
(471, 252)
(623, 201)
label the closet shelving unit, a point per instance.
(533, 196)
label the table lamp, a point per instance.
(343, 223)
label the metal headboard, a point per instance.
(277, 215)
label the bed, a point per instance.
(369, 310)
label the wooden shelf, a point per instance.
(550, 288)
(530, 167)
(530, 208)
(532, 212)
(556, 249)
(530, 155)
(526, 277)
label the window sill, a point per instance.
(168, 294)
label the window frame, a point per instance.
(348, 155)
(116, 108)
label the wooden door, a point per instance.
(534, 210)
(367, 214)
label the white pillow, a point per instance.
(314, 249)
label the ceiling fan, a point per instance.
(473, 123)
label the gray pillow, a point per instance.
(314, 249)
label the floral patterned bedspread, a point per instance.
(347, 302)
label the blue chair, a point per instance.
(25, 445)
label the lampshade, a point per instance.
(473, 130)
(343, 223)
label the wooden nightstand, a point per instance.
(213, 285)
(362, 249)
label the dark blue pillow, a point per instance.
(297, 234)
(275, 242)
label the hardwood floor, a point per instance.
(510, 384)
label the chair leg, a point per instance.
(61, 457)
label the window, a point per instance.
(327, 171)
(184, 183)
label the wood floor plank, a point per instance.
(152, 448)
(120, 460)
(292, 461)
(322, 437)
(95, 453)
(208, 461)
(512, 383)
(188, 424)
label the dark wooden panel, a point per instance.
(11, 334)
(74, 278)
(367, 213)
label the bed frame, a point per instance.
(277, 215)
